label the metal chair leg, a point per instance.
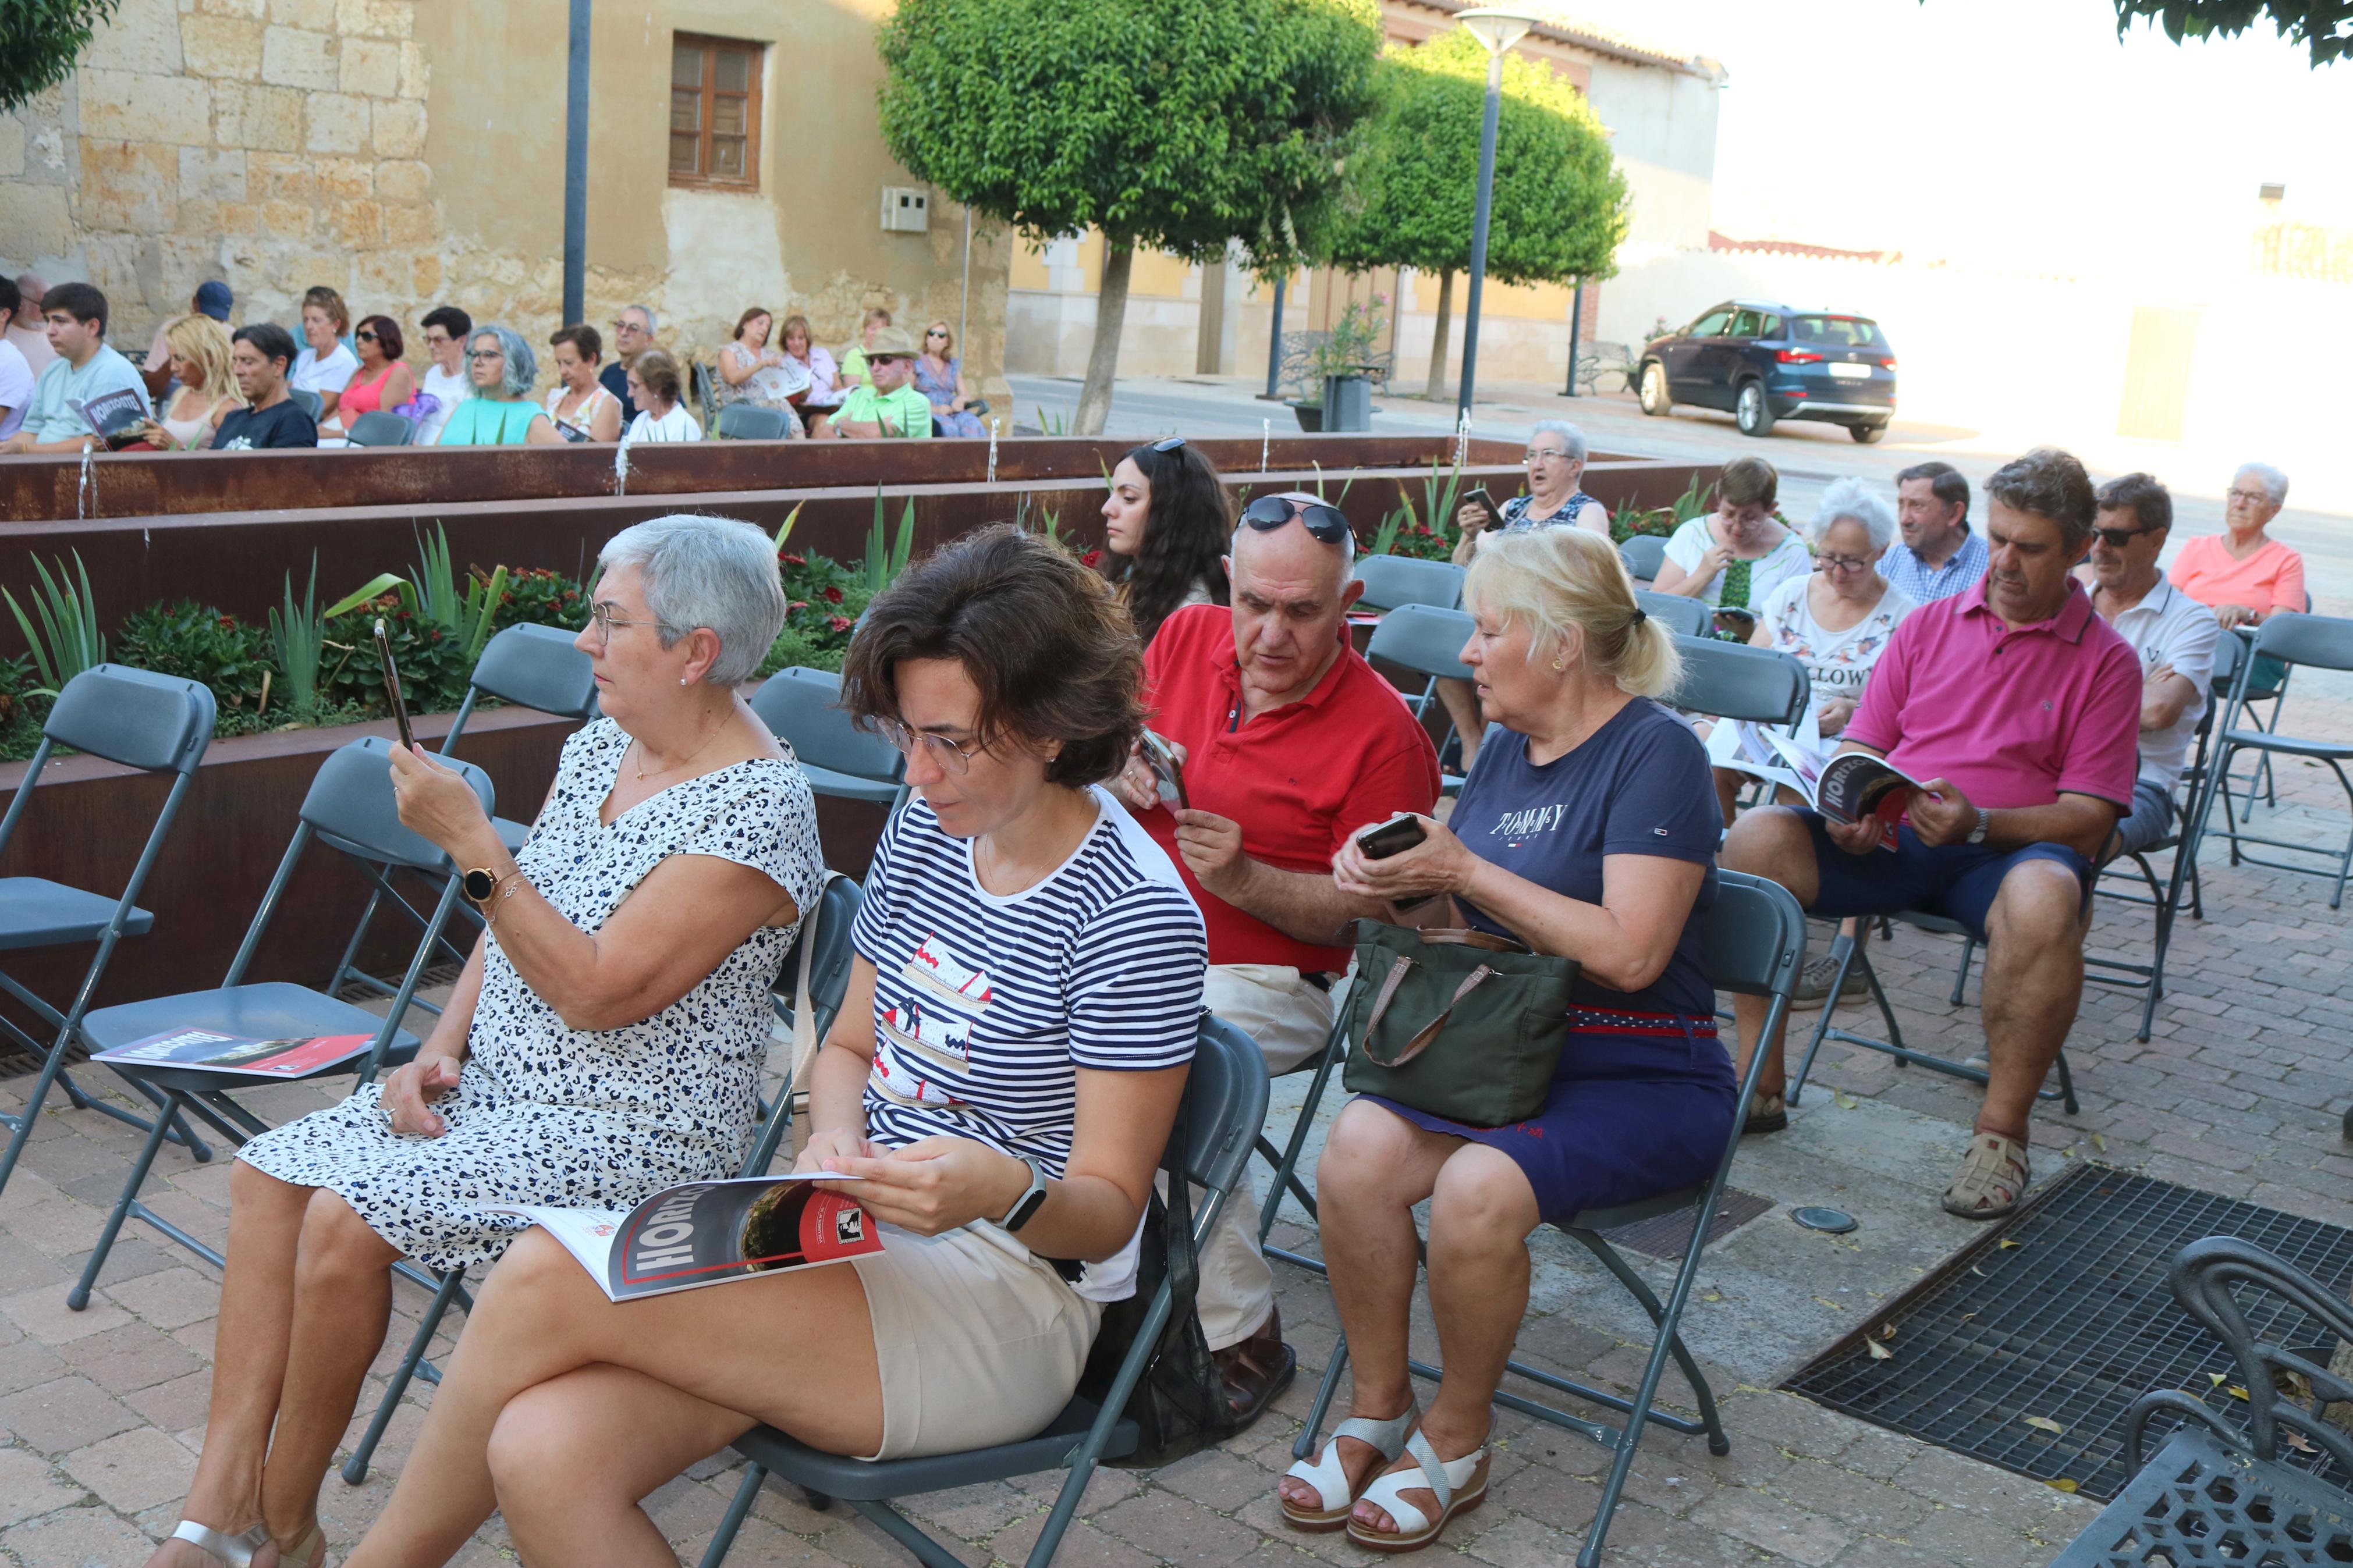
(355, 1468)
(733, 1520)
(79, 1297)
(1961, 975)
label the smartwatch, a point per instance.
(480, 883)
(1985, 820)
(1031, 1199)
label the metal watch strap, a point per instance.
(1032, 1197)
(1985, 821)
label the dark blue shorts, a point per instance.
(1957, 881)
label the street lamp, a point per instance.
(1498, 27)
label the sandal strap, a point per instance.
(1432, 1467)
(1436, 1476)
(1328, 1476)
(236, 1550)
(1995, 1167)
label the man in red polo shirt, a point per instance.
(2019, 710)
(1290, 742)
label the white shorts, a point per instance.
(978, 1340)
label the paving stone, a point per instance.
(172, 1299)
(1776, 1526)
(30, 1487)
(68, 1412)
(43, 1314)
(78, 1538)
(132, 1357)
(133, 1469)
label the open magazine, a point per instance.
(202, 1050)
(1843, 788)
(708, 1232)
(118, 416)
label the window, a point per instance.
(1748, 324)
(1711, 324)
(1837, 332)
(714, 111)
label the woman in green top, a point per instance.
(500, 412)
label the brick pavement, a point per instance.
(2239, 1091)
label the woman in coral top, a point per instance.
(2243, 576)
(383, 381)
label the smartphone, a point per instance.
(1741, 623)
(1168, 773)
(1477, 496)
(1394, 837)
(392, 686)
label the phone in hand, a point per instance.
(392, 686)
(1393, 837)
(1477, 496)
(1736, 622)
(1168, 773)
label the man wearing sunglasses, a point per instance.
(891, 406)
(2173, 633)
(1289, 742)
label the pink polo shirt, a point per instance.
(2015, 717)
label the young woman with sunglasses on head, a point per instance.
(1166, 527)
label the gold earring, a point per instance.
(1559, 664)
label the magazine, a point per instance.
(708, 1232)
(118, 416)
(202, 1050)
(1844, 788)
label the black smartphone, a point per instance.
(1741, 623)
(1393, 837)
(392, 686)
(1477, 496)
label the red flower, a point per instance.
(791, 560)
(229, 623)
(832, 595)
(1090, 558)
(840, 623)
(792, 604)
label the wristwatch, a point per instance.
(1985, 819)
(480, 883)
(1032, 1198)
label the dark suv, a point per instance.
(1767, 363)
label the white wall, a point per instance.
(1662, 130)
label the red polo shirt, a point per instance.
(2014, 717)
(1298, 778)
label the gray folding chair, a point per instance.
(828, 980)
(2325, 642)
(1642, 553)
(533, 667)
(1393, 580)
(1428, 641)
(382, 427)
(749, 422)
(1754, 944)
(803, 708)
(1685, 617)
(350, 807)
(140, 719)
(1736, 680)
(1225, 1103)
(310, 401)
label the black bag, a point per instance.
(1179, 1403)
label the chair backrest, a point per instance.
(351, 803)
(1734, 681)
(1224, 1106)
(1755, 938)
(1642, 553)
(1425, 638)
(749, 422)
(133, 717)
(311, 403)
(382, 427)
(2326, 641)
(538, 667)
(1686, 617)
(2230, 652)
(803, 708)
(830, 964)
(1393, 580)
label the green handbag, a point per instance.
(1460, 1023)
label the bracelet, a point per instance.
(508, 885)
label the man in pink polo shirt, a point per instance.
(1290, 742)
(2020, 710)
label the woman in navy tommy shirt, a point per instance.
(1587, 829)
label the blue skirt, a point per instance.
(1642, 1104)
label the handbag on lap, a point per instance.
(1460, 1023)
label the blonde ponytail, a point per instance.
(1553, 579)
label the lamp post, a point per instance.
(575, 166)
(1498, 27)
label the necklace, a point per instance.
(682, 761)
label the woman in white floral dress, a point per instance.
(604, 1040)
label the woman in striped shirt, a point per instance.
(1003, 1076)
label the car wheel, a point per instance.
(1750, 410)
(1867, 435)
(1654, 398)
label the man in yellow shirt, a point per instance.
(891, 406)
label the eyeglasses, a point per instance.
(486, 353)
(626, 327)
(2117, 538)
(935, 332)
(884, 359)
(954, 756)
(1842, 563)
(1269, 512)
(2253, 498)
(363, 336)
(1168, 444)
(1538, 454)
(601, 616)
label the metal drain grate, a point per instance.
(2062, 1313)
(1667, 1235)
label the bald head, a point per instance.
(32, 286)
(1291, 594)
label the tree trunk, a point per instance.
(1435, 389)
(1103, 359)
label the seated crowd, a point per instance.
(478, 386)
(606, 1036)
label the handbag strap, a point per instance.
(1429, 1032)
(1463, 936)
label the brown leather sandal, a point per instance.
(1256, 1370)
(1994, 1176)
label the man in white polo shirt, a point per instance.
(2173, 633)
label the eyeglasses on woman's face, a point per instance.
(486, 353)
(1843, 564)
(364, 336)
(935, 332)
(1546, 455)
(951, 755)
(601, 616)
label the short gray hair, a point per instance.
(523, 365)
(708, 572)
(1852, 500)
(648, 313)
(1572, 439)
(2275, 481)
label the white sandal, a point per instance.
(236, 1550)
(1330, 1477)
(1460, 1486)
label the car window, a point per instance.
(1771, 328)
(1749, 324)
(1710, 325)
(1837, 332)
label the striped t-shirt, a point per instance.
(984, 1006)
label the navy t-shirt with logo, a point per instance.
(1638, 785)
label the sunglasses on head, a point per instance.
(1269, 512)
(1168, 444)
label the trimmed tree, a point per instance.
(40, 40)
(2324, 26)
(1412, 190)
(1183, 125)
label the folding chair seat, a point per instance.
(1754, 944)
(2325, 642)
(803, 708)
(139, 720)
(1642, 555)
(1428, 641)
(382, 427)
(748, 422)
(1685, 617)
(1391, 581)
(350, 802)
(1224, 1104)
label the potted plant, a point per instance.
(1342, 368)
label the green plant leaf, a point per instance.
(375, 588)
